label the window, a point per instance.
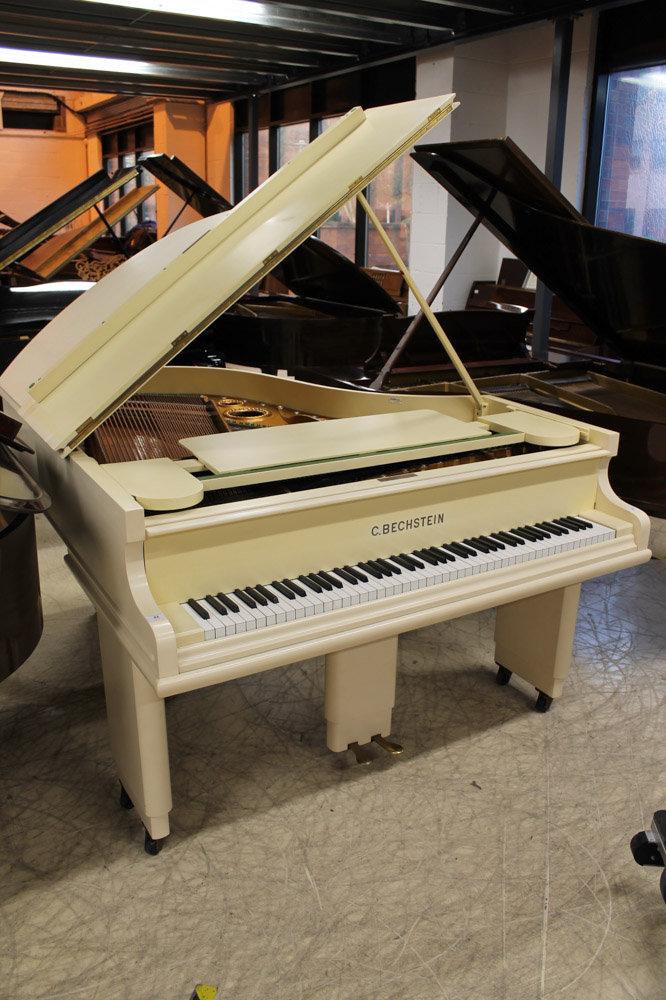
(123, 149)
(30, 110)
(632, 178)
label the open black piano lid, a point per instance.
(611, 280)
(48, 220)
(313, 270)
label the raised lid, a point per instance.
(314, 269)
(106, 344)
(20, 240)
(612, 281)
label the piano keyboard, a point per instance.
(268, 604)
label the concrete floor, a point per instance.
(491, 860)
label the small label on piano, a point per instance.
(407, 524)
(156, 618)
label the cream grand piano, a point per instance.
(224, 523)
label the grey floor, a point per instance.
(491, 860)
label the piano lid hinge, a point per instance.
(180, 339)
(355, 184)
(270, 257)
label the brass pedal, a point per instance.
(387, 744)
(361, 754)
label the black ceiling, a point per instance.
(290, 42)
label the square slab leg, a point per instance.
(360, 693)
(138, 735)
(534, 638)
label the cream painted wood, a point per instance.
(534, 638)
(157, 483)
(360, 693)
(537, 429)
(96, 353)
(136, 568)
(137, 733)
(350, 437)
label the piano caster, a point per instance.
(387, 744)
(125, 800)
(503, 675)
(543, 702)
(152, 846)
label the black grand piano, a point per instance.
(20, 599)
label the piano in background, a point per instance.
(20, 598)
(610, 281)
(324, 311)
(212, 550)
(34, 252)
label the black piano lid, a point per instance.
(186, 183)
(27, 235)
(314, 270)
(611, 280)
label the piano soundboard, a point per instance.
(226, 522)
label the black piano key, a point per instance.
(507, 537)
(441, 554)
(284, 590)
(475, 543)
(454, 552)
(344, 575)
(267, 594)
(422, 554)
(310, 584)
(579, 521)
(566, 523)
(554, 529)
(460, 550)
(356, 573)
(329, 579)
(389, 566)
(319, 580)
(229, 603)
(411, 562)
(217, 605)
(493, 542)
(257, 597)
(292, 585)
(521, 533)
(377, 573)
(541, 533)
(199, 610)
(529, 533)
(245, 598)
(384, 570)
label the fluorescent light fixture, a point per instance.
(70, 61)
(245, 11)
(52, 286)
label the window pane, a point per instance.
(340, 230)
(390, 196)
(291, 140)
(632, 183)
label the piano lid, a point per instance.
(107, 343)
(611, 280)
(20, 240)
(186, 183)
(313, 270)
